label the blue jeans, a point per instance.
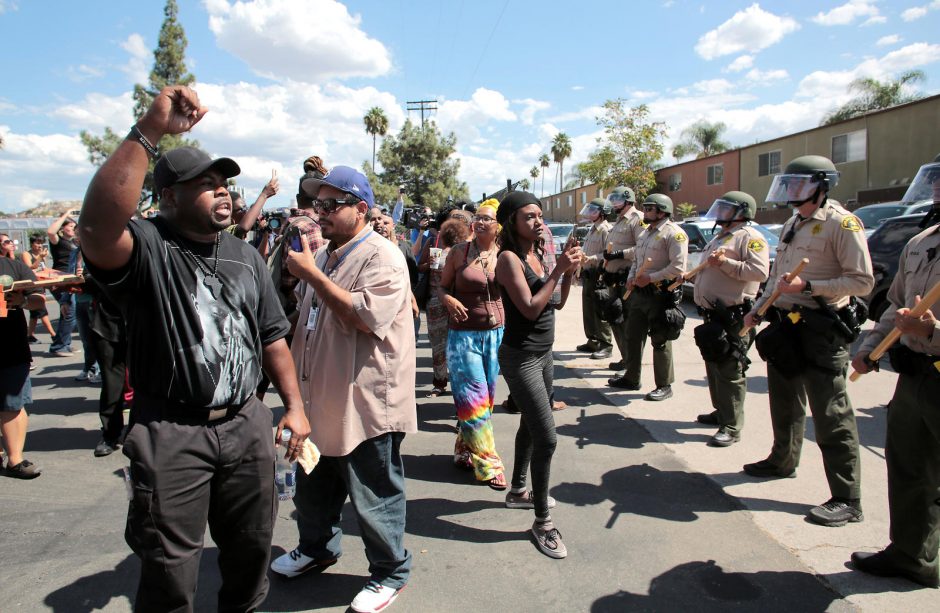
(62, 341)
(373, 479)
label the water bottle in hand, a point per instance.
(285, 473)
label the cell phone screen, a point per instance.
(295, 243)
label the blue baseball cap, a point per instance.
(343, 178)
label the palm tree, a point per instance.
(873, 95)
(534, 173)
(544, 162)
(701, 139)
(376, 124)
(524, 185)
(561, 150)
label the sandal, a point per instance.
(498, 482)
(435, 392)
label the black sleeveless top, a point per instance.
(523, 333)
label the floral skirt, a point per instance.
(474, 369)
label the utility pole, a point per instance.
(422, 105)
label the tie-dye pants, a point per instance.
(473, 366)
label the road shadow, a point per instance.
(611, 429)
(757, 384)
(68, 406)
(62, 439)
(96, 592)
(650, 492)
(705, 586)
(436, 468)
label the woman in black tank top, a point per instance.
(525, 356)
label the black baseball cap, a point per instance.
(185, 163)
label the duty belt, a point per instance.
(734, 312)
(172, 410)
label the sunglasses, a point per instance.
(328, 206)
(6, 242)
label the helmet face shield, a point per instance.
(590, 212)
(724, 210)
(926, 185)
(792, 188)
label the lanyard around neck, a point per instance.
(344, 256)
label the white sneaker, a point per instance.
(94, 377)
(374, 597)
(294, 563)
(82, 376)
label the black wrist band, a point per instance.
(136, 135)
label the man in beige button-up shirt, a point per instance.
(596, 329)
(806, 345)
(355, 356)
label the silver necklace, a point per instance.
(484, 263)
(210, 276)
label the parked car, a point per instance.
(560, 233)
(885, 246)
(774, 227)
(701, 231)
(873, 215)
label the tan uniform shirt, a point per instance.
(595, 243)
(358, 385)
(624, 236)
(667, 245)
(839, 265)
(740, 275)
(917, 274)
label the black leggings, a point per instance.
(529, 376)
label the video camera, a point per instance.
(275, 219)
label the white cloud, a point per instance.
(877, 19)
(766, 77)
(915, 13)
(300, 40)
(8, 5)
(83, 72)
(531, 107)
(58, 163)
(466, 118)
(136, 67)
(640, 94)
(740, 63)
(577, 88)
(885, 41)
(750, 30)
(96, 111)
(589, 113)
(847, 13)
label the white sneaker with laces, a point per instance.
(374, 597)
(94, 377)
(82, 376)
(294, 563)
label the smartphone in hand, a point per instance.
(295, 243)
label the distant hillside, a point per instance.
(47, 209)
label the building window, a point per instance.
(768, 163)
(583, 197)
(557, 203)
(715, 174)
(675, 182)
(600, 192)
(848, 147)
(569, 199)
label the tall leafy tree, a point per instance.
(561, 150)
(874, 95)
(377, 125)
(169, 68)
(534, 172)
(701, 139)
(544, 162)
(422, 161)
(627, 152)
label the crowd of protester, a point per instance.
(331, 291)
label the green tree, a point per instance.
(685, 209)
(629, 149)
(874, 95)
(701, 139)
(422, 161)
(561, 150)
(544, 162)
(533, 172)
(376, 125)
(169, 68)
(524, 185)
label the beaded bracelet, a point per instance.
(136, 135)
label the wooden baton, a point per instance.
(773, 297)
(639, 272)
(688, 275)
(919, 309)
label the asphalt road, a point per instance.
(653, 519)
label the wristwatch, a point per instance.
(807, 289)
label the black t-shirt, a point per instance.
(523, 333)
(405, 248)
(62, 253)
(185, 345)
(13, 326)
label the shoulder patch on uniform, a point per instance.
(851, 223)
(756, 245)
(680, 237)
(817, 229)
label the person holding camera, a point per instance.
(35, 258)
(64, 248)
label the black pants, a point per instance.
(185, 473)
(529, 377)
(112, 362)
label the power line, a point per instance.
(422, 105)
(485, 47)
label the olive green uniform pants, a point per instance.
(822, 385)
(596, 329)
(642, 306)
(913, 457)
(727, 383)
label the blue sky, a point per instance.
(288, 78)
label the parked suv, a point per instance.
(885, 246)
(873, 215)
